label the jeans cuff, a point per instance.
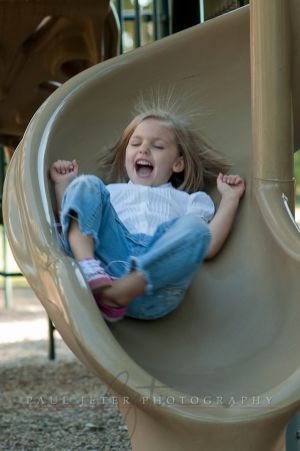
(135, 266)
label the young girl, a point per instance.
(140, 241)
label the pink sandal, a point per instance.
(97, 280)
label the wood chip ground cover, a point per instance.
(57, 406)
(50, 405)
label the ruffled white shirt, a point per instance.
(143, 208)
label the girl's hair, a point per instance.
(202, 163)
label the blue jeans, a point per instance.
(168, 260)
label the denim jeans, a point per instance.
(168, 260)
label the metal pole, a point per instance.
(202, 11)
(137, 24)
(7, 285)
(271, 91)
(156, 19)
(7, 281)
(120, 14)
(51, 342)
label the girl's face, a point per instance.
(152, 154)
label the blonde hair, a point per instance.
(202, 163)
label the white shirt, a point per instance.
(143, 208)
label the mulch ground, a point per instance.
(58, 406)
(46, 404)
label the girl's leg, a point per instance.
(171, 259)
(127, 288)
(90, 225)
(92, 229)
(175, 253)
(170, 265)
(82, 246)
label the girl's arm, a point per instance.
(62, 173)
(231, 188)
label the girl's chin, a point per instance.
(148, 180)
(142, 181)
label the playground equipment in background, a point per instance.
(222, 373)
(43, 44)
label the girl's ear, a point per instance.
(178, 166)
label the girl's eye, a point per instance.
(158, 147)
(135, 144)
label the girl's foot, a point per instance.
(98, 280)
(126, 289)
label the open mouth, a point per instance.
(143, 168)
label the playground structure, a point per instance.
(222, 372)
(49, 43)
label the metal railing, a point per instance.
(157, 14)
(144, 21)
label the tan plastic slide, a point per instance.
(222, 373)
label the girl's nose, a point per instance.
(144, 148)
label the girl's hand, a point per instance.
(230, 185)
(231, 188)
(63, 171)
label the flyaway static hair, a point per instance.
(202, 162)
